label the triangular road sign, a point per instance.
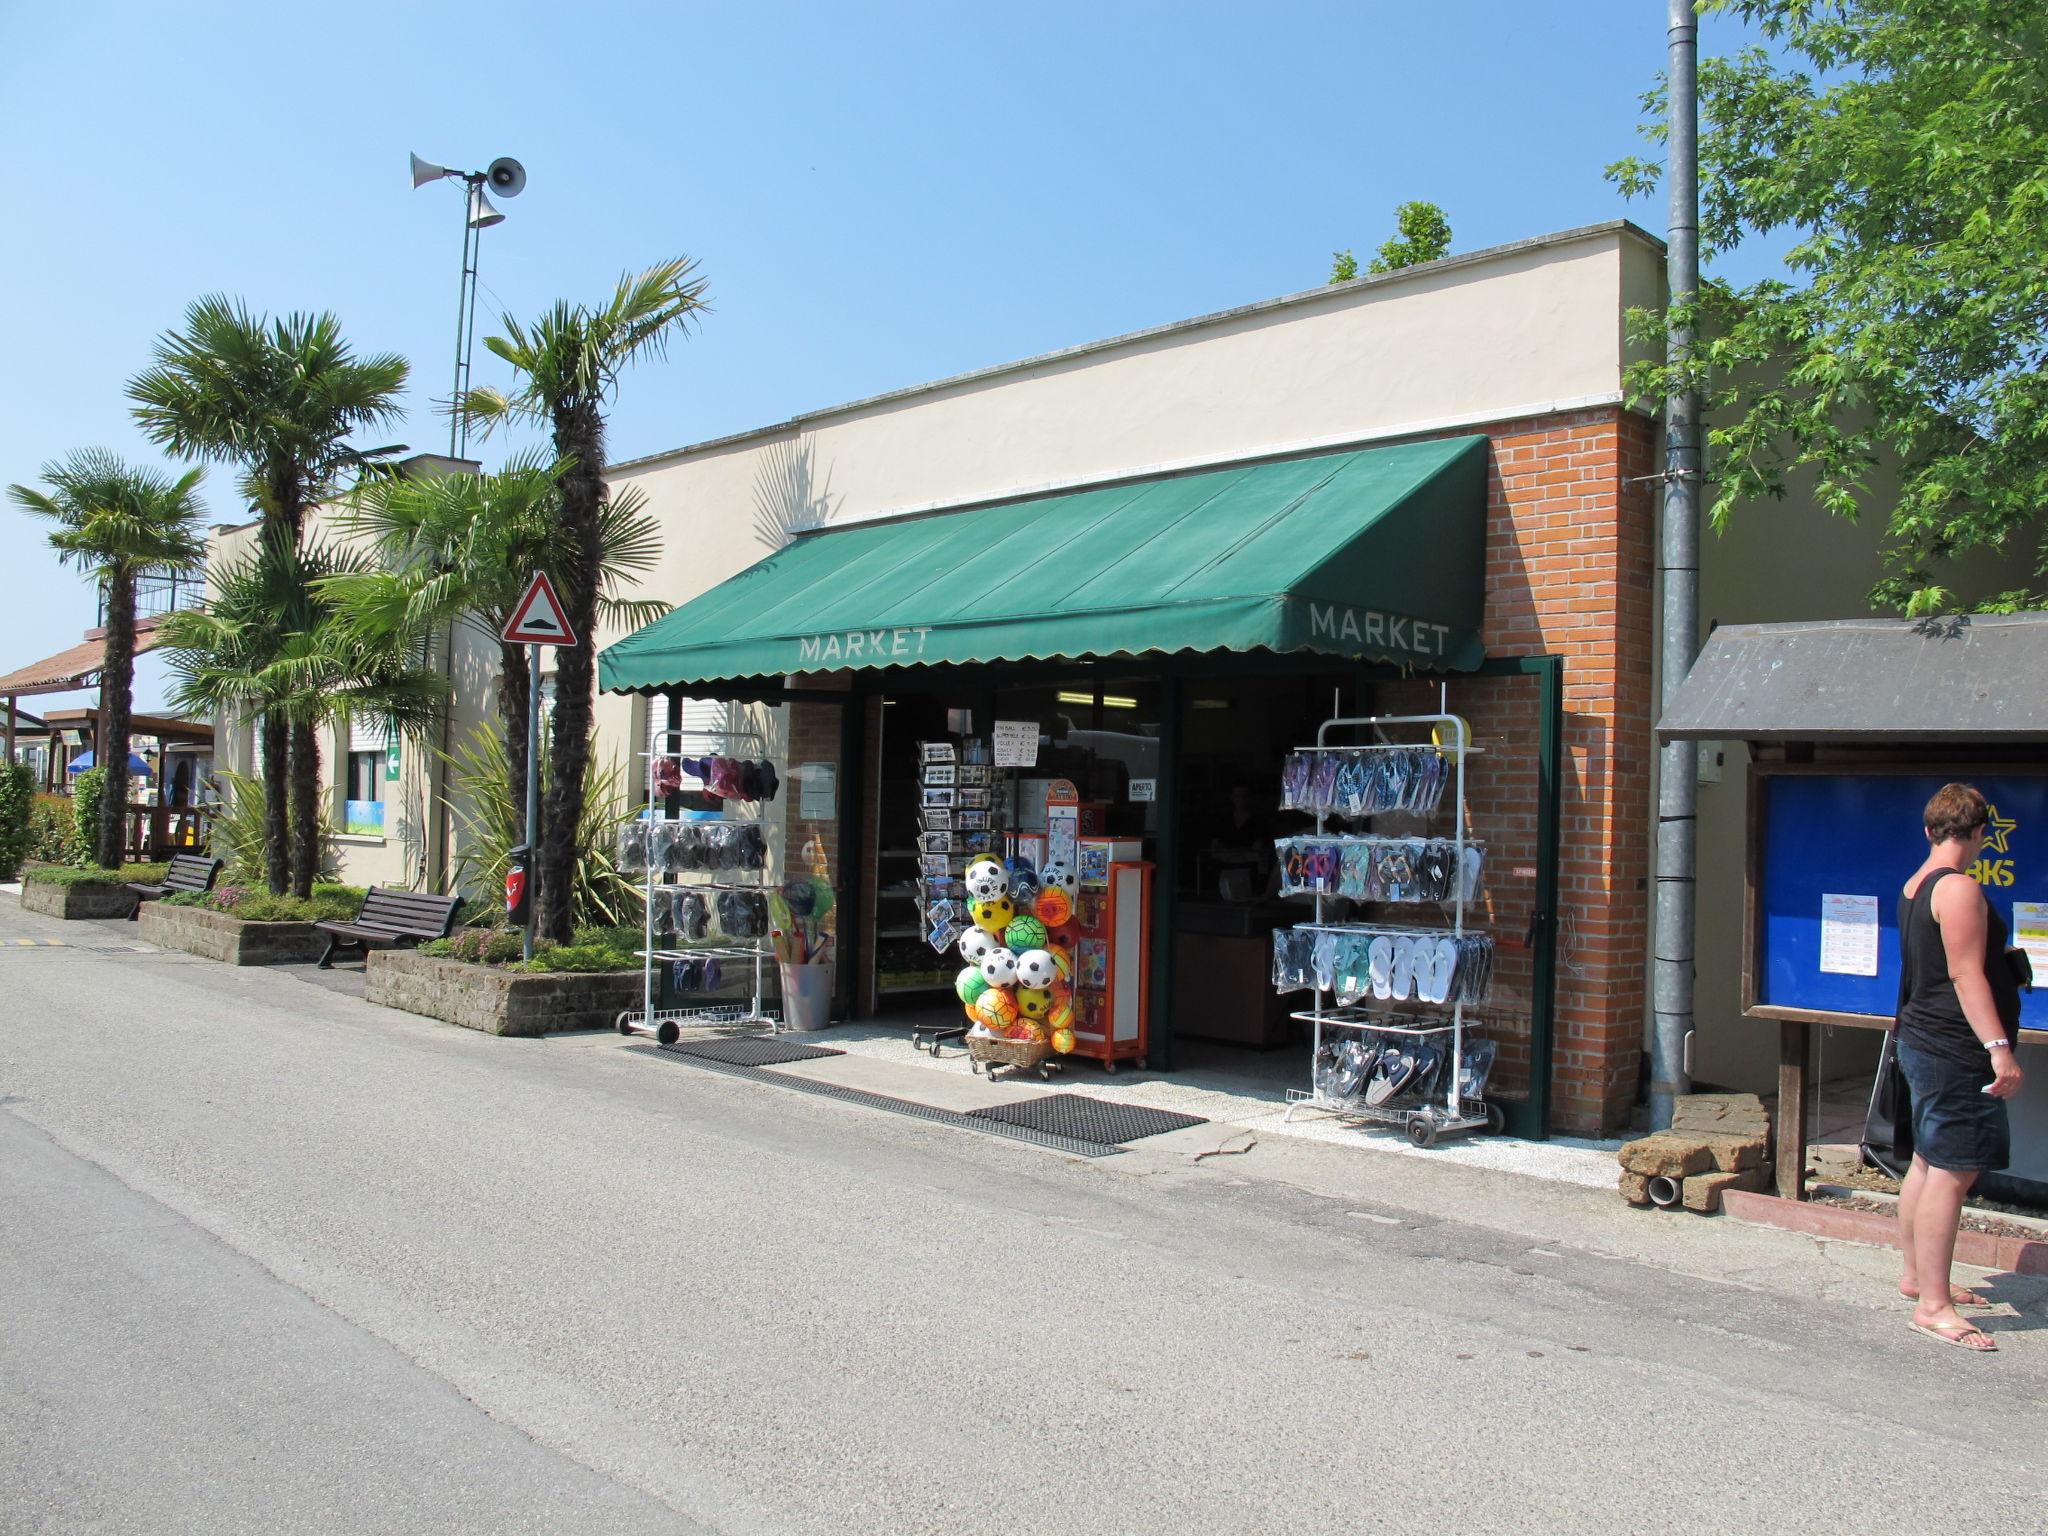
(539, 619)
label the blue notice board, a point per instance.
(1858, 834)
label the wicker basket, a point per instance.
(1018, 1055)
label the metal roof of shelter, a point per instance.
(1979, 677)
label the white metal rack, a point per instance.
(667, 1024)
(1454, 1113)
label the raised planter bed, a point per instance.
(224, 937)
(2019, 1256)
(498, 1002)
(77, 901)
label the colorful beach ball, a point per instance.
(970, 984)
(1063, 1041)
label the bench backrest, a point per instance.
(191, 872)
(409, 912)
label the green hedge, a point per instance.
(595, 950)
(252, 904)
(17, 806)
(72, 874)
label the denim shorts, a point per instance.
(1957, 1127)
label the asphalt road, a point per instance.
(279, 1261)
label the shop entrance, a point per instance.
(1184, 765)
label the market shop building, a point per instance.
(1169, 558)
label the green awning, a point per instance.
(1376, 554)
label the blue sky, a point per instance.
(879, 194)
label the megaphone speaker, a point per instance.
(424, 171)
(507, 176)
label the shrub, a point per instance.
(86, 790)
(254, 904)
(479, 946)
(88, 874)
(17, 805)
(575, 957)
(52, 837)
(238, 830)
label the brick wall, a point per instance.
(1569, 572)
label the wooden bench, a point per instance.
(188, 872)
(391, 917)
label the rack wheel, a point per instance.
(668, 1032)
(1109, 1067)
(1141, 1064)
(624, 1022)
(974, 1067)
(1422, 1130)
(1496, 1120)
(1045, 1074)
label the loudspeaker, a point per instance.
(507, 176)
(424, 171)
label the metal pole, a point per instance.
(1678, 785)
(10, 727)
(532, 797)
(468, 353)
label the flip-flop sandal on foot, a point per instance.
(1957, 1338)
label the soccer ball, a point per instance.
(999, 966)
(1054, 907)
(993, 914)
(975, 943)
(985, 880)
(970, 984)
(1025, 933)
(1058, 875)
(996, 1009)
(1035, 968)
(1032, 1003)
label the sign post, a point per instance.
(538, 620)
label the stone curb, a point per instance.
(1980, 1250)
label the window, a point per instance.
(363, 784)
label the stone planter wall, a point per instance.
(497, 1002)
(219, 936)
(77, 901)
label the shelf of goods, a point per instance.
(706, 889)
(1392, 1040)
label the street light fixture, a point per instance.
(506, 177)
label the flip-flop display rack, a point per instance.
(1390, 1032)
(706, 888)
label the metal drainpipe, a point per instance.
(1678, 786)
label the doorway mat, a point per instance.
(1100, 1120)
(1073, 1146)
(748, 1051)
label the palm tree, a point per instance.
(270, 641)
(117, 522)
(279, 400)
(461, 548)
(568, 363)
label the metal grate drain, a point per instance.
(750, 1051)
(1073, 1114)
(1073, 1145)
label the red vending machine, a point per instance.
(1112, 987)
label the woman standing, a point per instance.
(1958, 1025)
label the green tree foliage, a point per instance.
(17, 803)
(1343, 266)
(88, 791)
(279, 400)
(1902, 145)
(1424, 235)
(568, 364)
(269, 643)
(461, 549)
(117, 523)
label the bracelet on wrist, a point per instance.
(2000, 1044)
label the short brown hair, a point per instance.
(1956, 810)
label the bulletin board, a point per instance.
(1830, 851)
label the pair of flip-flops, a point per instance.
(698, 974)
(1407, 965)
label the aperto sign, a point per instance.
(1832, 839)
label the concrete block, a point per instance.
(498, 1002)
(1739, 1114)
(1666, 1153)
(1702, 1192)
(1733, 1153)
(1635, 1188)
(227, 938)
(73, 902)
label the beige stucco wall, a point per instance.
(1492, 335)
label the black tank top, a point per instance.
(1931, 1016)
